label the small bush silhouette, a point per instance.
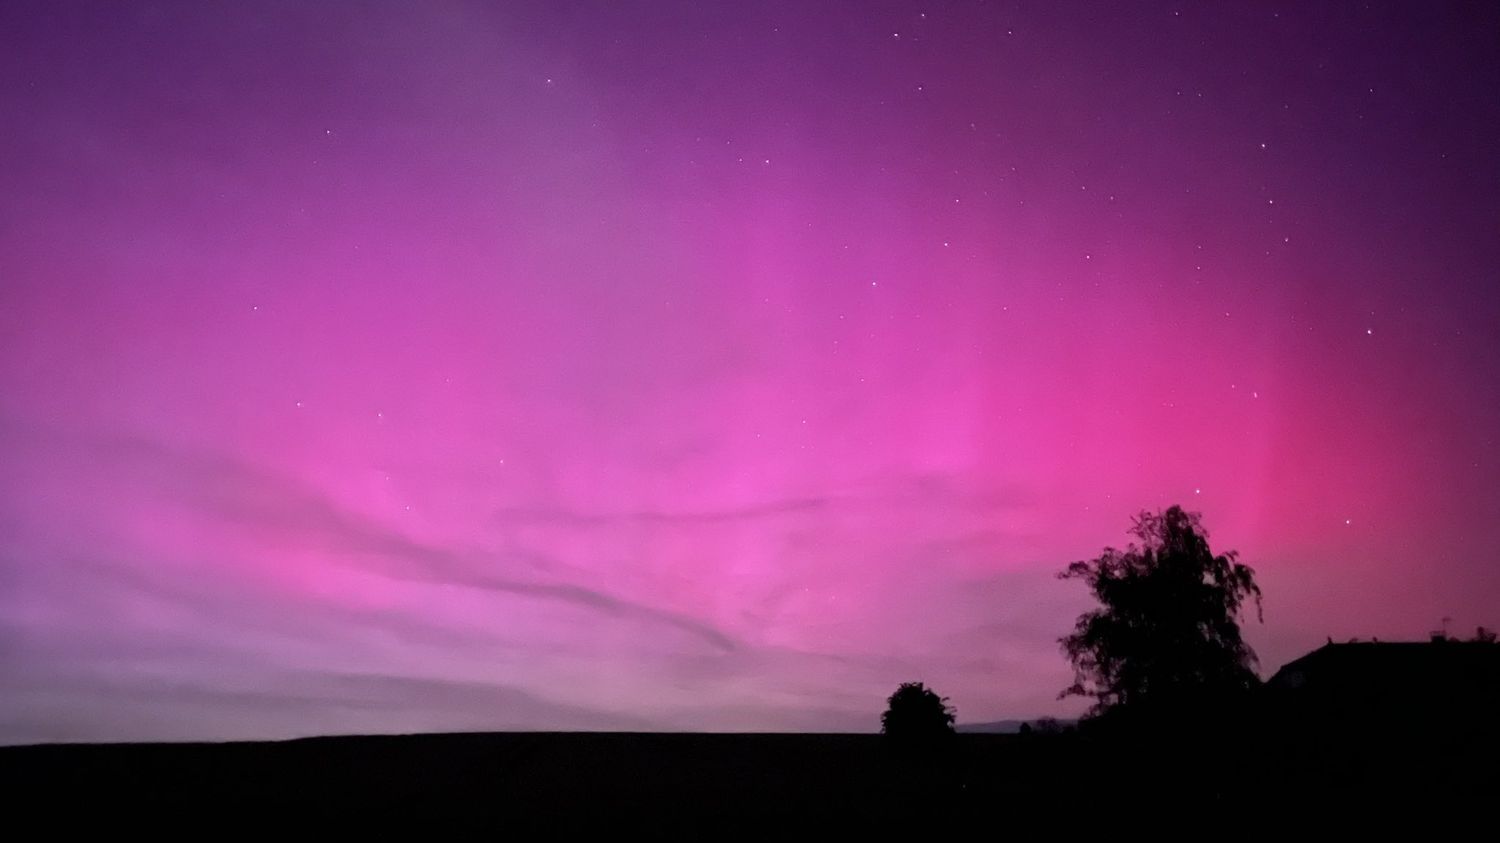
(1049, 726)
(917, 713)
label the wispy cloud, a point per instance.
(800, 646)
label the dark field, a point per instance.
(706, 784)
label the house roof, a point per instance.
(1375, 671)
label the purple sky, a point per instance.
(659, 365)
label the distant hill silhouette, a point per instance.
(993, 727)
(1003, 727)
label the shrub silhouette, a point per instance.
(1049, 726)
(1165, 639)
(916, 713)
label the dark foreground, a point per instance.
(703, 785)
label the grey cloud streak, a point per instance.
(246, 495)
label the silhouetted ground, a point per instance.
(703, 785)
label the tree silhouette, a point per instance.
(916, 713)
(1049, 726)
(1165, 637)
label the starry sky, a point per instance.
(614, 365)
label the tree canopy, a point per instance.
(916, 712)
(1166, 635)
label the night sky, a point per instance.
(450, 366)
